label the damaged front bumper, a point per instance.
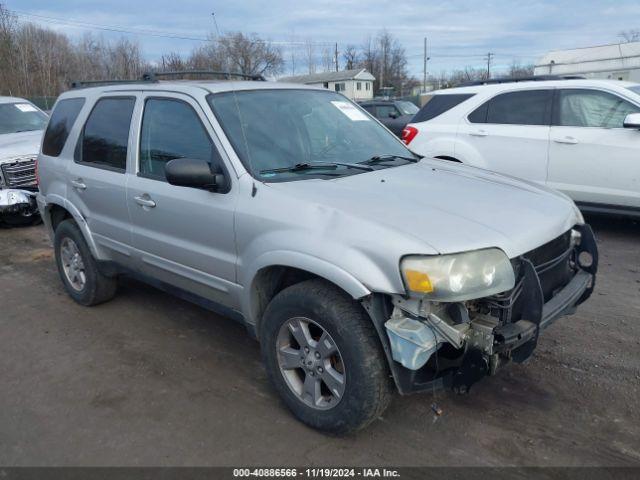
(15, 201)
(457, 344)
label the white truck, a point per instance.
(21, 128)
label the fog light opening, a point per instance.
(585, 260)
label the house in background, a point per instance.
(354, 84)
(618, 62)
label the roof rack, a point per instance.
(152, 77)
(99, 83)
(536, 78)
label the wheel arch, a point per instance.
(270, 278)
(57, 210)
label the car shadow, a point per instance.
(622, 227)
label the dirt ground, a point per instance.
(148, 379)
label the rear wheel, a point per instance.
(324, 357)
(78, 269)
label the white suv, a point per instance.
(578, 136)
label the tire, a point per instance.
(17, 220)
(91, 286)
(365, 391)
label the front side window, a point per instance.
(591, 108)
(387, 111)
(106, 133)
(170, 129)
(282, 128)
(531, 107)
(20, 117)
(62, 119)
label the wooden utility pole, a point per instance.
(424, 71)
(489, 57)
(337, 67)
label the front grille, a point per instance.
(554, 263)
(20, 174)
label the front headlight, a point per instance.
(460, 276)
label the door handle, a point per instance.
(479, 133)
(145, 201)
(566, 140)
(79, 184)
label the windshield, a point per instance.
(635, 89)
(407, 108)
(21, 117)
(282, 128)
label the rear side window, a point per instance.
(440, 104)
(60, 124)
(370, 108)
(171, 129)
(531, 107)
(106, 133)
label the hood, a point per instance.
(451, 208)
(22, 144)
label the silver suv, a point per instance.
(360, 267)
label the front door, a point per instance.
(184, 236)
(97, 176)
(592, 158)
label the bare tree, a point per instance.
(628, 36)
(250, 55)
(310, 54)
(327, 59)
(351, 57)
(386, 59)
(517, 70)
(39, 61)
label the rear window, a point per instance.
(60, 124)
(635, 89)
(440, 104)
(531, 107)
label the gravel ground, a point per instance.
(148, 379)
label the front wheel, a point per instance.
(324, 357)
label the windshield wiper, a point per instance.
(300, 167)
(382, 158)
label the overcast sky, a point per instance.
(460, 32)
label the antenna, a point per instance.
(215, 23)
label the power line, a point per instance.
(137, 31)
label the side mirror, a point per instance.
(393, 115)
(188, 172)
(632, 121)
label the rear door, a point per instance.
(511, 133)
(592, 158)
(183, 236)
(96, 178)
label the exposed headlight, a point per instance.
(460, 276)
